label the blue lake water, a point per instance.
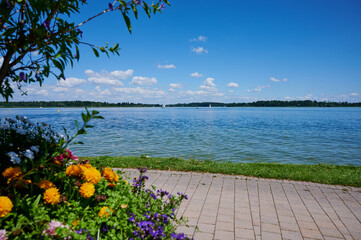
(283, 135)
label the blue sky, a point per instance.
(226, 51)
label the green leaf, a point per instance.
(84, 117)
(127, 21)
(95, 112)
(82, 131)
(96, 52)
(98, 117)
(58, 65)
(89, 126)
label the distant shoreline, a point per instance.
(81, 104)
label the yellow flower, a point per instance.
(5, 206)
(111, 185)
(87, 190)
(51, 196)
(91, 175)
(105, 211)
(124, 206)
(110, 175)
(12, 172)
(45, 184)
(73, 170)
(126, 182)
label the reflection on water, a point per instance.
(285, 135)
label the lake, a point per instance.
(282, 135)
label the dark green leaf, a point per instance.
(127, 21)
(96, 52)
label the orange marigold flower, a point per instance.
(87, 190)
(5, 206)
(111, 185)
(45, 184)
(110, 175)
(76, 222)
(11, 172)
(58, 162)
(91, 175)
(73, 170)
(51, 196)
(105, 211)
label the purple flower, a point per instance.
(132, 219)
(80, 32)
(7, 1)
(138, 2)
(46, 24)
(23, 76)
(162, 6)
(110, 6)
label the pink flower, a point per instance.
(3, 234)
(54, 225)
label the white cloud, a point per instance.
(354, 94)
(169, 66)
(107, 78)
(199, 50)
(137, 80)
(208, 85)
(209, 82)
(60, 89)
(122, 74)
(232, 85)
(139, 90)
(102, 92)
(202, 92)
(71, 82)
(196, 74)
(174, 86)
(42, 92)
(1, 60)
(199, 39)
(274, 79)
(258, 88)
(278, 80)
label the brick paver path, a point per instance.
(239, 207)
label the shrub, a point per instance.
(47, 193)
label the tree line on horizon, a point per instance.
(272, 103)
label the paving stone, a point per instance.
(225, 226)
(222, 235)
(203, 236)
(290, 235)
(225, 207)
(271, 236)
(206, 228)
(266, 227)
(244, 233)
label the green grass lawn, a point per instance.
(320, 173)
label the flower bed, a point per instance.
(47, 193)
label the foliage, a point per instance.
(47, 193)
(319, 173)
(38, 37)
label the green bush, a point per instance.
(47, 193)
